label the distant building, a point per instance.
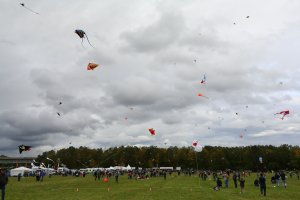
(16, 161)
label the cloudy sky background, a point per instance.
(153, 55)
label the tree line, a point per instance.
(211, 157)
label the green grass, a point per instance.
(182, 187)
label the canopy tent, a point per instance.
(19, 170)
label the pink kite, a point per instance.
(152, 131)
(201, 95)
(283, 113)
(197, 147)
(194, 143)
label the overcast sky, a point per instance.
(152, 56)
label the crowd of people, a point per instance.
(238, 178)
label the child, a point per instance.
(242, 185)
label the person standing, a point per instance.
(277, 179)
(242, 185)
(282, 175)
(262, 184)
(234, 177)
(117, 176)
(3, 182)
(226, 177)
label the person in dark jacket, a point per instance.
(282, 176)
(234, 177)
(262, 184)
(277, 179)
(219, 184)
(242, 185)
(3, 182)
(256, 183)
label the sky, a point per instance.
(152, 56)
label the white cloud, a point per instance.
(152, 56)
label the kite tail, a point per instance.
(31, 10)
(82, 42)
(89, 41)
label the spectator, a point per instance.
(262, 183)
(3, 182)
(234, 177)
(242, 185)
(282, 175)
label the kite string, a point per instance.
(30, 10)
(89, 41)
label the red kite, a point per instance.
(194, 143)
(152, 131)
(92, 66)
(201, 95)
(283, 113)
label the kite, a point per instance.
(23, 4)
(60, 103)
(203, 80)
(50, 159)
(201, 95)
(241, 136)
(152, 131)
(195, 60)
(194, 143)
(58, 113)
(196, 146)
(82, 35)
(283, 113)
(24, 148)
(92, 66)
(247, 16)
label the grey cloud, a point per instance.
(158, 36)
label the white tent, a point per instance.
(19, 170)
(128, 168)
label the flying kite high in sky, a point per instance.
(196, 146)
(152, 131)
(283, 113)
(92, 66)
(194, 143)
(82, 35)
(201, 95)
(203, 80)
(24, 148)
(23, 5)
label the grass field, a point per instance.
(182, 187)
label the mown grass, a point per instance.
(181, 187)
